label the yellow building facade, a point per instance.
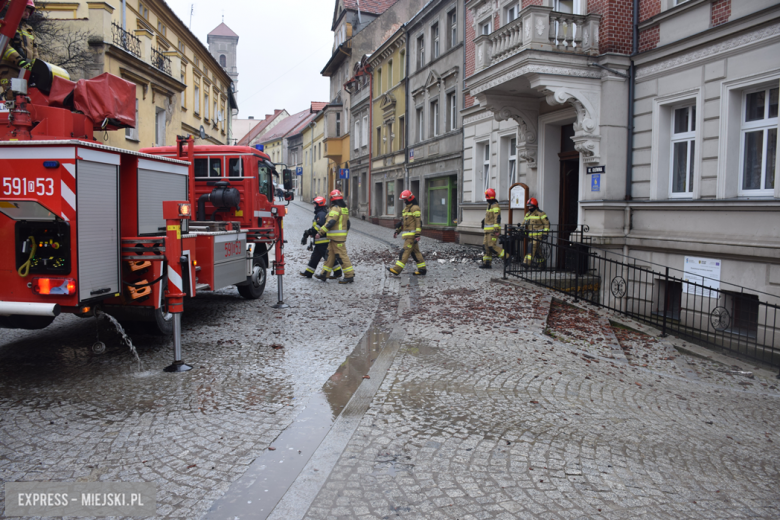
(388, 65)
(315, 163)
(179, 85)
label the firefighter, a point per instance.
(20, 53)
(536, 225)
(336, 229)
(320, 244)
(410, 228)
(491, 226)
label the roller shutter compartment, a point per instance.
(98, 229)
(154, 187)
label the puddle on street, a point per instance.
(255, 494)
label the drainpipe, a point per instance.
(631, 96)
(407, 181)
(370, 134)
(124, 15)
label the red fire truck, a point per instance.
(82, 224)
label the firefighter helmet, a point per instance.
(320, 201)
(406, 195)
(490, 193)
(532, 202)
(336, 195)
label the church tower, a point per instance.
(222, 45)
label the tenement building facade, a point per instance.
(657, 133)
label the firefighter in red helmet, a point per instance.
(320, 249)
(336, 228)
(410, 228)
(491, 226)
(536, 226)
(21, 52)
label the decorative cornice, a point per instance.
(478, 117)
(717, 49)
(535, 69)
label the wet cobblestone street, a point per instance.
(486, 399)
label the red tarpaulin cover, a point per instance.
(106, 97)
(60, 89)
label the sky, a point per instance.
(283, 45)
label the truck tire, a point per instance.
(163, 322)
(255, 284)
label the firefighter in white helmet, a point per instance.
(410, 228)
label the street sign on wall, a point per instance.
(344, 173)
(595, 182)
(299, 170)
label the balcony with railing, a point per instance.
(125, 40)
(539, 28)
(160, 61)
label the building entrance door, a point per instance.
(568, 205)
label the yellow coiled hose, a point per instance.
(24, 269)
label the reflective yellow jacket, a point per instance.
(337, 224)
(536, 222)
(493, 218)
(411, 225)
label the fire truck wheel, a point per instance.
(163, 322)
(255, 284)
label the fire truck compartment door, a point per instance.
(229, 259)
(98, 229)
(158, 182)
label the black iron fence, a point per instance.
(696, 308)
(160, 61)
(125, 40)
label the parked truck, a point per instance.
(82, 223)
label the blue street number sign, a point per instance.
(344, 173)
(595, 182)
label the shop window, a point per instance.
(442, 201)
(390, 198)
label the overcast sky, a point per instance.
(283, 45)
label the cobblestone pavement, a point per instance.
(500, 403)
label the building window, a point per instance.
(364, 132)
(566, 6)
(420, 52)
(181, 46)
(420, 123)
(452, 112)
(484, 154)
(512, 166)
(143, 11)
(159, 127)
(222, 60)
(161, 28)
(378, 82)
(510, 13)
(485, 28)
(132, 133)
(197, 100)
(402, 133)
(206, 107)
(184, 92)
(390, 198)
(356, 138)
(434, 118)
(435, 41)
(669, 298)
(389, 74)
(683, 150)
(403, 64)
(338, 124)
(452, 21)
(744, 311)
(379, 140)
(759, 142)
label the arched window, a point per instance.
(223, 60)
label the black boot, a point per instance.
(347, 280)
(420, 272)
(307, 274)
(336, 274)
(321, 276)
(486, 265)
